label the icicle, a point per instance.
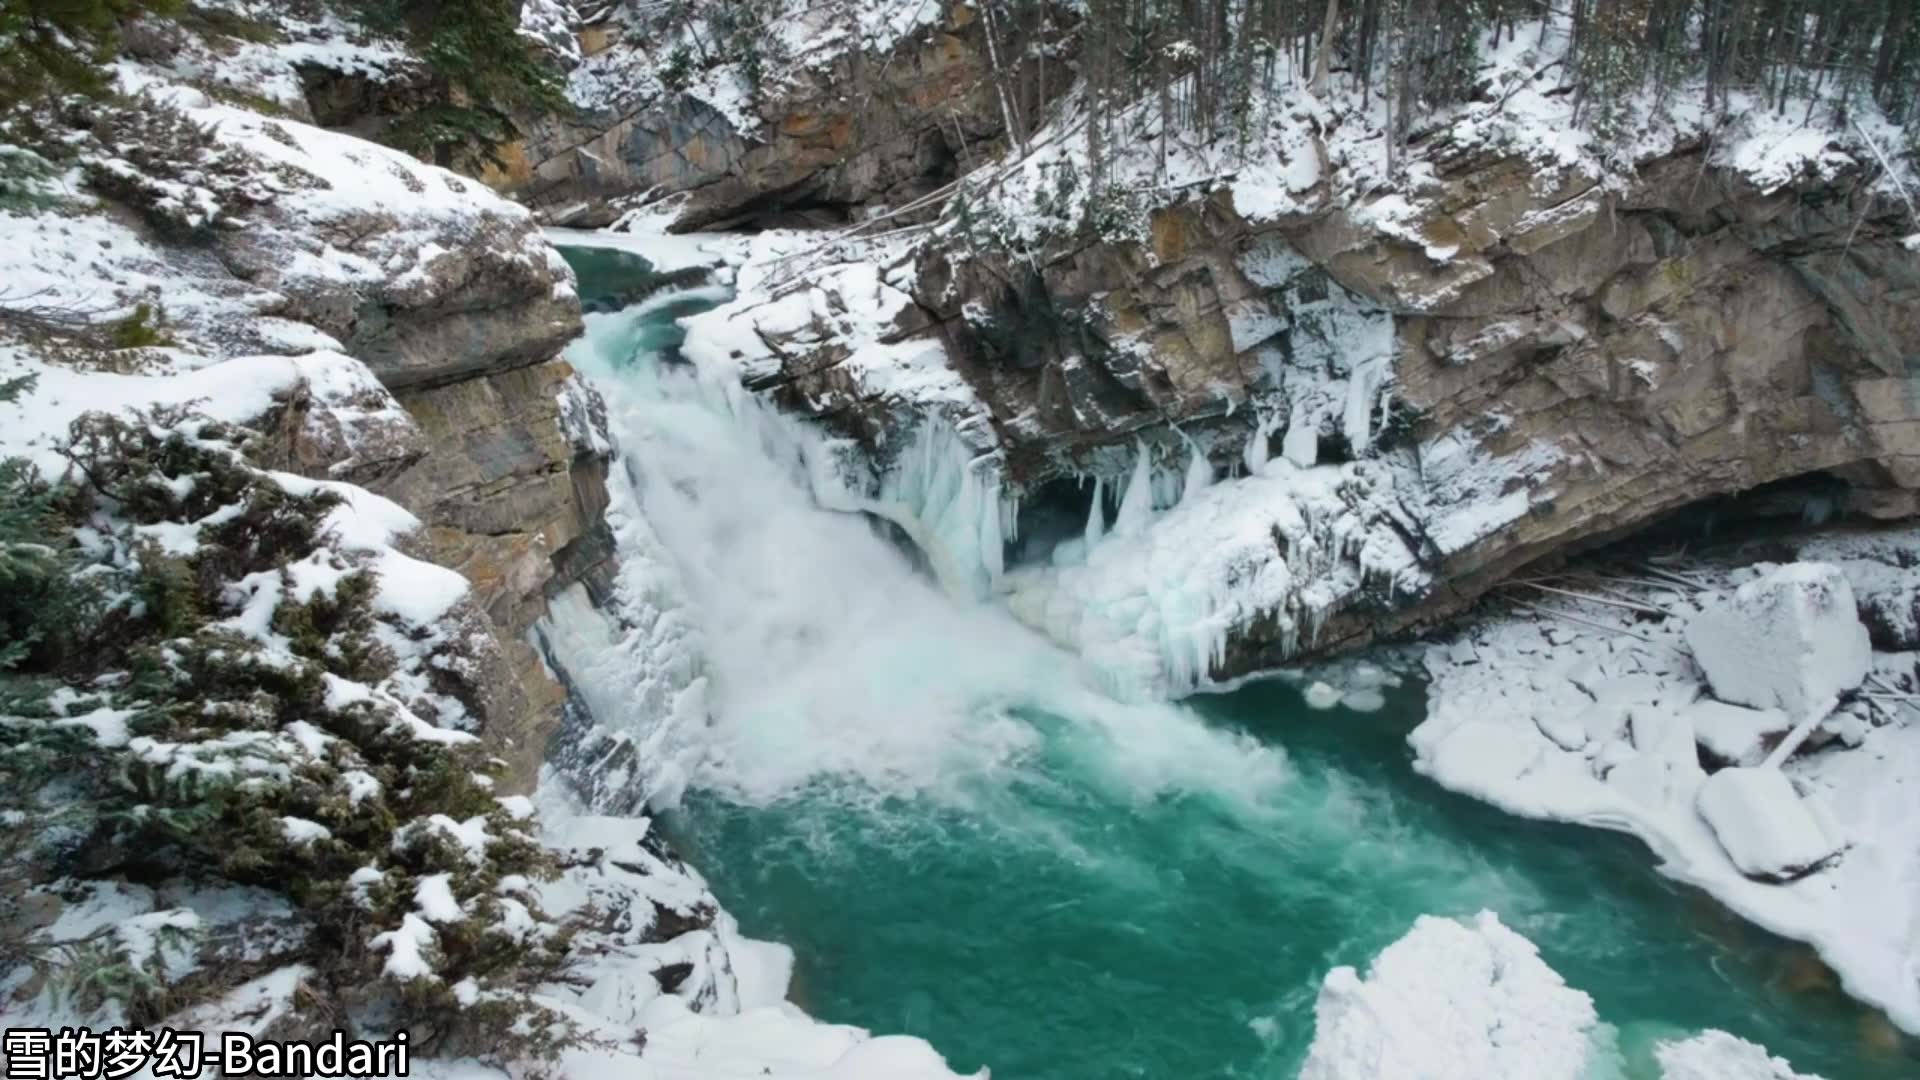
(1301, 444)
(1254, 456)
(1136, 506)
(1368, 379)
(1097, 514)
(1166, 488)
(1199, 474)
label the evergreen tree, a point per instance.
(59, 46)
(484, 72)
(32, 560)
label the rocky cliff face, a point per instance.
(1528, 362)
(1688, 338)
(248, 236)
(1503, 356)
(499, 460)
(826, 129)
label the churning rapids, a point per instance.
(965, 840)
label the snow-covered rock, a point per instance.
(1734, 735)
(1484, 736)
(1468, 1000)
(1765, 827)
(1790, 640)
(1716, 1055)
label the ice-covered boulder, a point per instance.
(1765, 827)
(1790, 640)
(1716, 1055)
(1734, 735)
(1471, 1000)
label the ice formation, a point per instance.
(1716, 1055)
(949, 500)
(1471, 1001)
(1154, 601)
(1603, 721)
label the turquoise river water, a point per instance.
(963, 842)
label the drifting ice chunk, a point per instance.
(1716, 1055)
(1602, 723)
(1735, 735)
(1768, 832)
(1791, 640)
(1322, 696)
(1472, 1001)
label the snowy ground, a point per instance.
(1472, 1000)
(1585, 710)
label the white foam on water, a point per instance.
(829, 658)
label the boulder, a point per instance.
(1764, 826)
(1791, 640)
(1892, 617)
(1733, 735)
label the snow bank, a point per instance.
(727, 1017)
(643, 232)
(1467, 1000)
(1584, 722)
(1791, 640)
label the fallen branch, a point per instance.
(1632, 599)
(1628, 604)
(1677, 579)
(1589, 622)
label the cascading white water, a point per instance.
(809, 638)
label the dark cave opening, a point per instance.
(1054, 512)
(1759, 522)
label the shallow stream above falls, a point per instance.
(964, 840)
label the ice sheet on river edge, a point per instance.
(1535, 717)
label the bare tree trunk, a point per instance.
(1386, 95)
(1322, 62)
(999, 77)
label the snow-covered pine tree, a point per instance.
(52, 47)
